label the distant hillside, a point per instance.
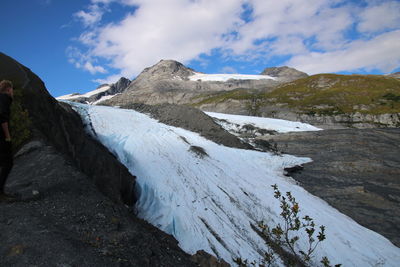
(395, 75)
(315, 96)
(337, 94)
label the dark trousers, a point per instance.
(6, 162)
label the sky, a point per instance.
(74, 46)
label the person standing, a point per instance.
(6, 156)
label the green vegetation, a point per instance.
(392, 97)
(330, 94)
(20, 123)
(323, 94)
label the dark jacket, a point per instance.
(5, 104)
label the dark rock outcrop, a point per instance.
(63, 128)
(284, 73)
(120, 85)
(356, 171)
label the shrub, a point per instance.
(282, 239)
(20, 122)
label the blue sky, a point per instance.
(76, 45)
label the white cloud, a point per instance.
(380, 17)
(159, 29)
(381, 52)
(311, 33)
(93, 69)
(92, 17)
(109, 80)
(83, 61)
(290, 22)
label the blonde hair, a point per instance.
(4, 85)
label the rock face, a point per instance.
(168, 82)
(120, 85)
(63, 128)
(285, 73)
(355, 170)
(167, 69)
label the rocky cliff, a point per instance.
(63, 128)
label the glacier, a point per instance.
(208, 201)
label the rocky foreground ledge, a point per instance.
(63, 220)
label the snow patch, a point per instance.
(233, 123)
(88, 94)
(103, 98)
(226, 77)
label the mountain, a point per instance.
(102, 93)
(285, 73)
(171, 82)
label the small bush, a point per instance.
(282, 239)
(392, 97)
(20, 122)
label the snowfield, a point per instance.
(88, 94)
(226, 77)
(103, 98)
(233, 123)
(210, 201)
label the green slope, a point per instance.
(325, 94)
